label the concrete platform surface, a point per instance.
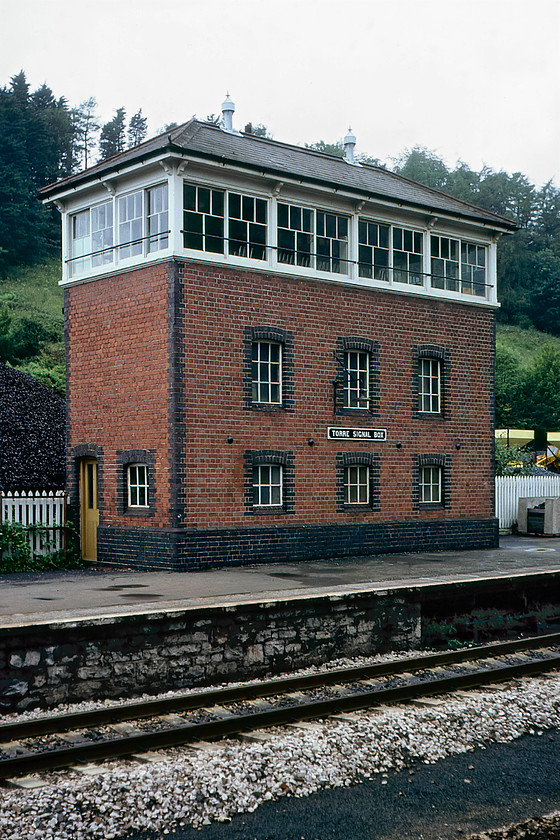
(56, 596)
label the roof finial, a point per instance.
(349, 144)
(228, 108)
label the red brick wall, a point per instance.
(119, 373)
(118, 369)
(219, 304)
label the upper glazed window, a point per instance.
(92, 238)
(387, 252)
(203, 219)
(312, 238)
(373, 250)
(458, 266)
(223, 222)
(158, 218)
(128, 226)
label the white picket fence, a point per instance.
(511, 488)
(46, 509)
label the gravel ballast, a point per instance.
(193, 788)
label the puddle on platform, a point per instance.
(118, 587)
(540, 549)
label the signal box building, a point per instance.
(274, 354)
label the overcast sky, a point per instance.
(476, 80)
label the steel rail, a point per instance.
(233, 724)
(51, 724)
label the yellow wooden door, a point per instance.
(89, 508)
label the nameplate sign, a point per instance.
(338, 433)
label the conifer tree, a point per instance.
(35, 149)
(137, 129)
(113, 135)
(86, 128)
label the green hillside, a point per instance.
(32, 322)
(524, 345)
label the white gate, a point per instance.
(43, 513)
(511, 488)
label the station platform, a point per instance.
(96, 593)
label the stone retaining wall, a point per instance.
(125, 656)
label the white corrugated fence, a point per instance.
(45, 509)
(511, 488)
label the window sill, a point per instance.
(277, 408)
(356, 412)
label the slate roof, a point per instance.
(207, 141)
(32, 434)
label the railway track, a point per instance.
(56, 741)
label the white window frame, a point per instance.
(157, 217)
(357, 484)
(215, 197)
(80, 220)
(429, 385)
(130, 228)
(102, 234)
(357, 379)
(431, 484)
(268, 485)
(88, 255)
(263, 371)
(457, 273)
(249, 219)
(103, 245)
(138, 486)
(372, 236)
(299, 230)
(411, 238)
(321, 232)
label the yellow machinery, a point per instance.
(549, 459)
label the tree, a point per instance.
(463, 183)
(508, 378)
(258, 130)
(337, 149)
(137, 129)
(113, 135)
(86, 128)
(545, 299)
(420, 164)
(507, 195)
(539, 394)
(546, 224)
(36, 148)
